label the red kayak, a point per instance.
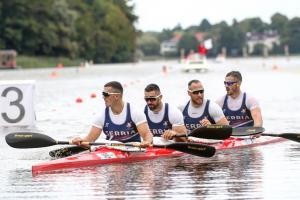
(103, 155)
(106, 155)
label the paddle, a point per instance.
(37, 140)
(247, 131)
(218, 132)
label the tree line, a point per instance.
(232, 37)
(104, 31)
(99, 30)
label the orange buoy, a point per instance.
(59, 65)
(93, 95)
(79, 100)
(164, 69)
(54, 74)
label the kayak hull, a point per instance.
(102, 156)
(105, 155)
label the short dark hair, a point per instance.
(235, 74)
(193, 81)
(115, 85)
(152, 87)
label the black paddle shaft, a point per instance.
(246, 131)
(290, 136)
(37, 140)
(191, 148)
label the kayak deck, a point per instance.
(105, 155)
(233, 143)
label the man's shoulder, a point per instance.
(182, 106)
(212, 103)
(173, 108)
(133, 106)
(220, 100)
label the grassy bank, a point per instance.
(40, 62)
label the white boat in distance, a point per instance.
(195, 63)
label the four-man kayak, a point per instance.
(106, 155)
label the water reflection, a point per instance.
(242, 173)
(222, 177)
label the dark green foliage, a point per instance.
(294, 35)
(233, 37)
(149, 44)
(101, 30)
(204, 25)
(258, 49)
(189, 43)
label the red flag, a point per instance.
(202, 50)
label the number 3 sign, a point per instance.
(17, 103)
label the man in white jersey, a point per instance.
(119, 121)
(200, 111)
(240, 109)
(163, 119)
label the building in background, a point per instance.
(170, 46)
(267, 39)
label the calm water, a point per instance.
(265, 172)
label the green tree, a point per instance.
(2, 45)
(102, 30)
(188, 42)
(148, 44)
(204, 25)
(177, 28)
(166, 34)
(127, 10)
(294, 35)
(279, 23)
(113, 35)
(13, 23)
(232, 38)
(253, 25)
(64, 19)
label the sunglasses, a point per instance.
(107, 94)
(229, 83)
(151, 98)
(197, 91)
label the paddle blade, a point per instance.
(193, 149)
(290, 136)
(216, 132)
(246, 131)
(28, 140)
(66, 151)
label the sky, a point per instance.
(155, 15)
